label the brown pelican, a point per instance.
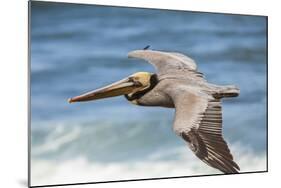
(197, 103)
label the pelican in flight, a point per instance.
(178, 84)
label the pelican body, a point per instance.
(177, 84)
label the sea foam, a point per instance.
(80, 169)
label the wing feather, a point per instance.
(169, 63)
(198, 121)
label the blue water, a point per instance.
(77, 48)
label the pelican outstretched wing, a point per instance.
(168, 62)
(198, 120)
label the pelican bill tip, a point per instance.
(70, 100)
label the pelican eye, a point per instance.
(134, 80)
(131, 79)
(137, 83)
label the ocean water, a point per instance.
(77, 48)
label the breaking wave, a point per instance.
(80, 169)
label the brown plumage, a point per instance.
(179, 85)
(198, 117)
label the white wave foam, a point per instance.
(82, 170)
(56, 140)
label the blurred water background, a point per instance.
(77, 48)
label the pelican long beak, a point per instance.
(122, 87)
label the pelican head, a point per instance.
(133, 87)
